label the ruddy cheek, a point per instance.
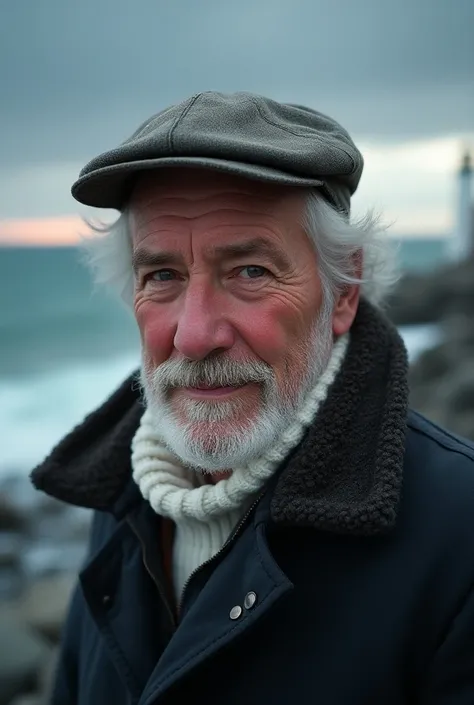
(157, 333)
(265, 337)
(274, 335)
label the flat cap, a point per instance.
(238, 133)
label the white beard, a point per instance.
(212, 438)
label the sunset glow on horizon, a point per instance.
(66, 231)
(43, 232)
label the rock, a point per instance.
(53, 535)
(10, 549)
(431, 366)
(28, 503)
(45, 558)
(11, 572)
(44, 605)
(47, 675)
(11, 518)
(21, 661)
(11, 583)
(22, 495)
(71, 524)
(434, 296)
(442, 380)
(42, 696)
(32, 699)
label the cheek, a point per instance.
(265, 336)
(157, 331)
(273, 334)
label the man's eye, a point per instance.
(253, 271)
(162, 275)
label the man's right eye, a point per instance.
(162, 275)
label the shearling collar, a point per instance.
(344, 477)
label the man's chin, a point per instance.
(226, 440)
(210, 447)
(208, 455)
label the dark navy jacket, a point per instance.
(359, 559)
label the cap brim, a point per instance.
(110, 186)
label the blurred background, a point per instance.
(77, 78)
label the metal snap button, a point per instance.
(235, 612)
(250, 600)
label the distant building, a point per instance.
(461, 244)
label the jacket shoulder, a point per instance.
(437, 438)
(439, 474)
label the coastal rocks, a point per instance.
(11, 519)
(435, 296)
(39, 536)
(442, 378)
(44, 604)
(22, 661)
(42, 546)
(28, 700)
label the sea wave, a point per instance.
(36, 412)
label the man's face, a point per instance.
(227, 300)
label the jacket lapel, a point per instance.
(224, 602)
(123, 599)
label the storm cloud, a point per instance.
(76, 77)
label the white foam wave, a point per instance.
(35, 413)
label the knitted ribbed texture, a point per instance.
(205, 514)
(195, 542)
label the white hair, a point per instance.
(348, 251)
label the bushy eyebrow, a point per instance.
(258, 246)
(146, 258)
(250, 248)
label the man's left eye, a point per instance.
(253, 271)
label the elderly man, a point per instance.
(271, 524)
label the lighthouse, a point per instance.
(461, 244)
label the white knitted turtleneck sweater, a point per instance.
(205, 514)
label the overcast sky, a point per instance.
(77, 76)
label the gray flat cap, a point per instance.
(238, 133)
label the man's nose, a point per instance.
(202, 328)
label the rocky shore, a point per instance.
(440, 295)
(442, 378)
(42, 545)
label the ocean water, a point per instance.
(64, 347)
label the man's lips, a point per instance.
(207, 391)
(207, 387)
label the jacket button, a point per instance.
(235, 612)
(250, 600)
(106, 600)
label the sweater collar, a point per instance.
(345, 475)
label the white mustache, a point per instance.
(212, 372)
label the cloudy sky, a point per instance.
(78, 77)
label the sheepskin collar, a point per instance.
(345, 476)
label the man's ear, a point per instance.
(347, 302)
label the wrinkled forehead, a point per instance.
(192, 193)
